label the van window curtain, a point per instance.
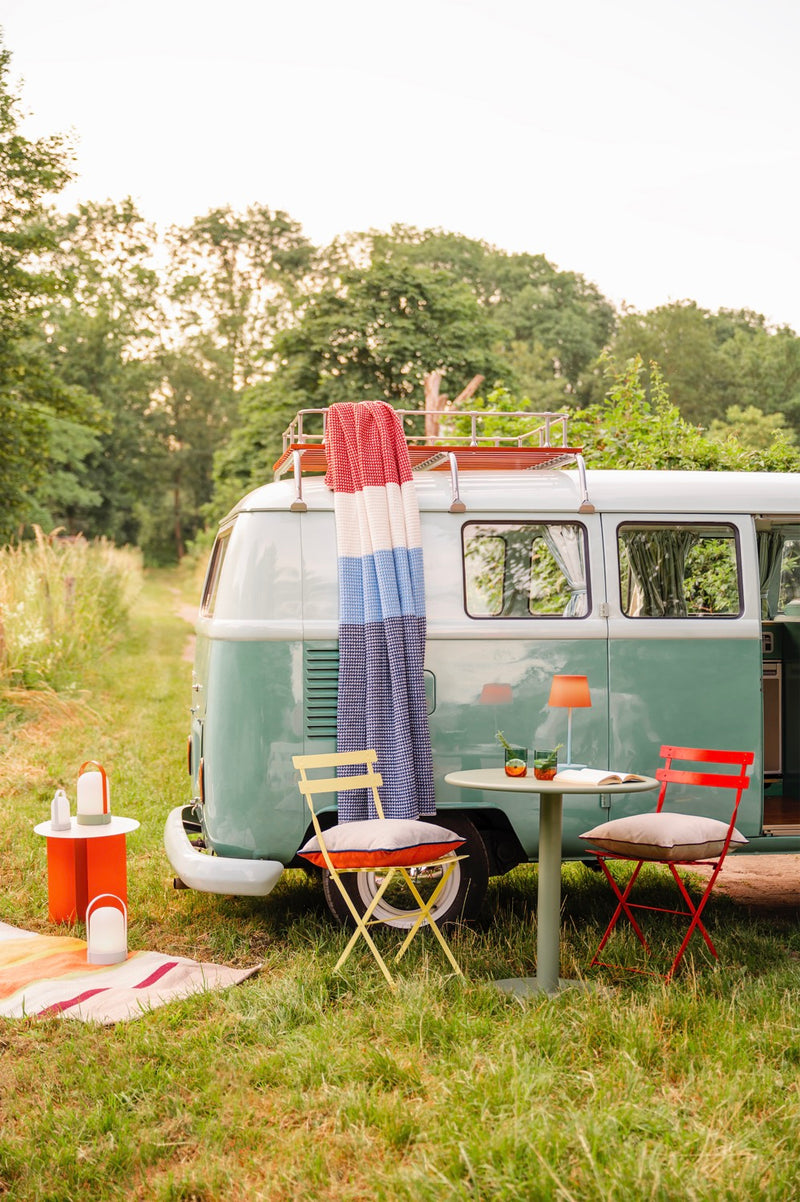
(657, 560)
(565, 544)
(770, 546)
(381, 702)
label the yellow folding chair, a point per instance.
(397, 847)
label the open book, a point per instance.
(594, 776)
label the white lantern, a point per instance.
(94, 805)
(106, 930)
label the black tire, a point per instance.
(460, 901)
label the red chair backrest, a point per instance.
(726, 780)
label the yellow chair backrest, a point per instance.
(309, 786)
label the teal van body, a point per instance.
(721, 669)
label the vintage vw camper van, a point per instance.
(676, 593)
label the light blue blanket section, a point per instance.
(388, 584)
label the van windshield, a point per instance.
(211, 588)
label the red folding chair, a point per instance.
(676, 839)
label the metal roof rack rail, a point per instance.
(545, 444)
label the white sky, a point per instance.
(653, 147)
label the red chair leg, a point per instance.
(695, 922)
(622, 906)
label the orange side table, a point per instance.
(84, 862)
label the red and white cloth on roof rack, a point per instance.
(381, 702)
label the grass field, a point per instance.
(305, 1084)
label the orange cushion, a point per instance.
(382, 842)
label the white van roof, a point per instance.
(558, 491)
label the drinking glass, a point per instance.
(545, 764)
(516, 761)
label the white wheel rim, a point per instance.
(393, 916)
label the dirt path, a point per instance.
(762, 882)
(188, 612)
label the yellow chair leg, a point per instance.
(361, 925)
(425, 912)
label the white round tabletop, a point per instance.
(117, 826)
(495, 778)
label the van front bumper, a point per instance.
(216, 874)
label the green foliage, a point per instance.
(63, 602)
(30, 392)
(752, 427)
(552, 324)
(716, 360)
(628, 430)
(377, 333)
(370, 335)
(233, 278)
(104, 341)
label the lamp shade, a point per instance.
(571, 691)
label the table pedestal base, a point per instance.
(528, 986)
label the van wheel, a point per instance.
(460, 900)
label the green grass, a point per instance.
(302, 1083)
(63, 602)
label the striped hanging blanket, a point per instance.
(381, 702)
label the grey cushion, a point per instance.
(664, 836)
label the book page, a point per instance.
(594, 776)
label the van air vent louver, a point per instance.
(321, 681)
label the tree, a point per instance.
(558, 313)
(681, 338)
(31, 394)
(369, 335)
(104, 337)
(636, 425)
(715, 360)
(551, 324)
(751, 427)
(234, 279)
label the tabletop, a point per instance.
(495, 778)
(117, 826)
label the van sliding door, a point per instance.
(684, 648)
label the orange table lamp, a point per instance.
(570, 692)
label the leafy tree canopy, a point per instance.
(30, 392)
(636, 425)
(715, 360)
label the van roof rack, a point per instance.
(545, 444)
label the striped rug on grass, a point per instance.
(381, 702)
(48, 976)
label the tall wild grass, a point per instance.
(63, 602)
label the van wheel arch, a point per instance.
(461, 900)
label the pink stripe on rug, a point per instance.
(74, 1001)
(157, 975)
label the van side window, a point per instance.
(525, 570)
(214, 572)
(789, 596)
(679, 570)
